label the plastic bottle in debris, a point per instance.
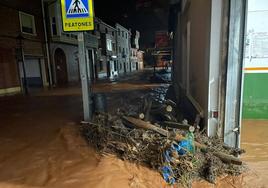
(190, 138)
(187, 145)
(168, 174)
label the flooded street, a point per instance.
(255, 142)
(40, 145)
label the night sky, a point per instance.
(146, 20)
(121, 11)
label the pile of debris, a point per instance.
(152, 136)
(161, 76)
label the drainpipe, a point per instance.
(46, 44)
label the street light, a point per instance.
(20, 58)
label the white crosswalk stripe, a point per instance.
(77, 7)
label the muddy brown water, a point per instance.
(40, 146)
(254, 139)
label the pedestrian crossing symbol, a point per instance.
(77, 15)
(77, 9)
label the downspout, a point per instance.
(46, 44)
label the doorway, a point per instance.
(32, 71)
(60, 67)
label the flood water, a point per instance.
(254, 139)
(40, 146)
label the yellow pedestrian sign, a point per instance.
(77, 15)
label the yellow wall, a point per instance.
(9, 91)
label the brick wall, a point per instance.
(8, 69)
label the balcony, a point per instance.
(91, 41)
(67, 38)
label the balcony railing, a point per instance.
(65, 38)
(91, 41)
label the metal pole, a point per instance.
(232, 128)
(25, 84)
(46, 45)
(86, 94)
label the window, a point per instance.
(126, 35)
(118, 32)
(106, 30)
(112, 33)
(54, 26)
(27, 23)
(109, 45)
(101, 66)
(115, 66)
(114, 47)
(119, 49)
(122, 33)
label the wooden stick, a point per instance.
(176, 125)
(148, 110)
(197, 121)
(146, 125)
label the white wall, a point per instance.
(256, 52)
(123, 42)
(71, 53)
(214, 65)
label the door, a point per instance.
(61, 67)
(125, 68)
(108, 69)
(33, 72)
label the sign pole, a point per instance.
(78, 15)
(86, 94)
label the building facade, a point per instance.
(22, 56)
(64, 49)
(36, 52)
(133, 59)
(123, 49)
(207, 69)
(140, 59)
(107, 66)
(135, 37)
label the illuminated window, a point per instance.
(109, 45)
